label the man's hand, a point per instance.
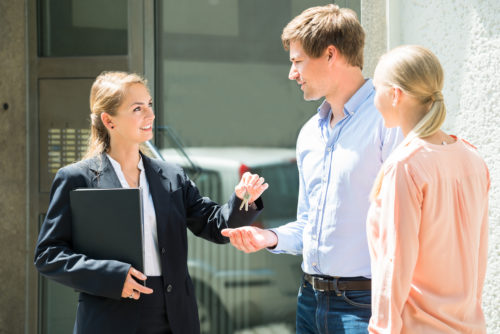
(252, 184)
(250, 239)
(132, 289)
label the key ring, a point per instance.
(245, 200)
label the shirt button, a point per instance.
(329, 149)
(169, 288)
(314, 264)
(163, 250)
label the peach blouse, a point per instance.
(427, 232)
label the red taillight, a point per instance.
(258, 224)
(243, 169)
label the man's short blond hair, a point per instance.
(316, 28)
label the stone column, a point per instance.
(373, 20)
(12, 166)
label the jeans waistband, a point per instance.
(338, 284)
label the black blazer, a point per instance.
(178, 206)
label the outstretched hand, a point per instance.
(252, 184)
(250, 239)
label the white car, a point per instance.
(234, 289)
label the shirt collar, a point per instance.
(116, 164)
(324, 110)
(140, 165)
(353, 104)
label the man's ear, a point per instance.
(107, 120)
(331, 52)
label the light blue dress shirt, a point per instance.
(337, 168)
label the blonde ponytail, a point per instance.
(418, 73)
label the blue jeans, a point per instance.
(324, 312)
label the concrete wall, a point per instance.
(465, 35)
(373, 20)
(12, 166)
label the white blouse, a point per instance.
(152, 264)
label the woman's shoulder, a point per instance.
(419, 157)
(82, 168)
(168, 168)
(405, 154)
(472, 155)
(80, 165)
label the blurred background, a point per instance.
(224, 105)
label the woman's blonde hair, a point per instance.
(106, 95)
(417, 72)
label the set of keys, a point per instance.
(244, 201)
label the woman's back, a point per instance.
(439, 234)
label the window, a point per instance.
(223, 73)
(222, 80)
(82, 28)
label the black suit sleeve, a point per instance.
(54, 256)
(206, 218)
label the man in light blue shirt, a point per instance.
(339, 153)
(337, 167)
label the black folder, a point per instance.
(107, 224)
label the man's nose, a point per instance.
(293, 74)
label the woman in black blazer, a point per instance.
(111, 299)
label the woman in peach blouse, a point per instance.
(428, 223)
